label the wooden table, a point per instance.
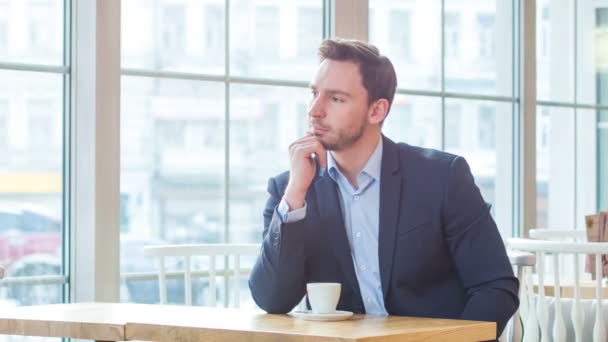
(114, 322)
(92, 321)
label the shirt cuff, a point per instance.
(290, 216)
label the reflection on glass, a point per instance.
(275, 39)
(31, 31)
(602, 144)
(590, 144)
(480, 131)
(172, 164)
(409, 33)
(555, 167)
(555, 50)
(415, 120)
(263, 122)
(183, 36)
(478, 47)
(592, 53)
(31, 132)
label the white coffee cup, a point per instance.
(323, 297)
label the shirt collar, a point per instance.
(372, 168)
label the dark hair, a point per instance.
(377, 71)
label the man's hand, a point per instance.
(302, 168)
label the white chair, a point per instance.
(556, 318)
(212, 252)
(520, 262)
(558, 235)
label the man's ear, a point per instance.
(378, 111)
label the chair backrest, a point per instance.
(212, 252)
(536, 315)
(559, 235)
(520, 262)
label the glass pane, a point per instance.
(555, 167)
(555, 50)
(409, 33)
(480, 131)
(592, 49)
(31, 31)
(187, 36)
(172, 166)
(588, 166)
(415, 120)
(31, 129)
(479, 47)
(602, 146)
(263, 122)
(275, 39)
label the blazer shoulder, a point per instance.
(422, 158)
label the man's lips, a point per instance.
(318, 128)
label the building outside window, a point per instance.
(453, 127)
(452, 35)
(173, 35)
(309, 25)
(40, 123)
(486, 31)
(267, 28)
(487, 127)
(400, 26)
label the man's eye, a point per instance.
(336, 99)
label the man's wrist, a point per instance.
(294, 200)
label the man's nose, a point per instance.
(316, 109)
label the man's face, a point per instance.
(338, 107)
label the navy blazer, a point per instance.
(440, 252)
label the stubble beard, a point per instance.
(346, 138)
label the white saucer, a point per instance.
(308, 315)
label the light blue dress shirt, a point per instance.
(360, 210)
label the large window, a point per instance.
(572, 102)
(33, 76)
(203, 125)
(460, 93)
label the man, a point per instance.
(404, 229)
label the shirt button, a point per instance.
(356, 197)
(363, 268)
(358, 234)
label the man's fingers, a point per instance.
(305, 139)
(309, 145)
(307, 148)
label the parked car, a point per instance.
(31, 245)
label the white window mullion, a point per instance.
(95, 150)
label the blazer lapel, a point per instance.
(331, 218)
(390, 196)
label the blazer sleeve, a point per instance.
(478, 250)
(278, 280)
